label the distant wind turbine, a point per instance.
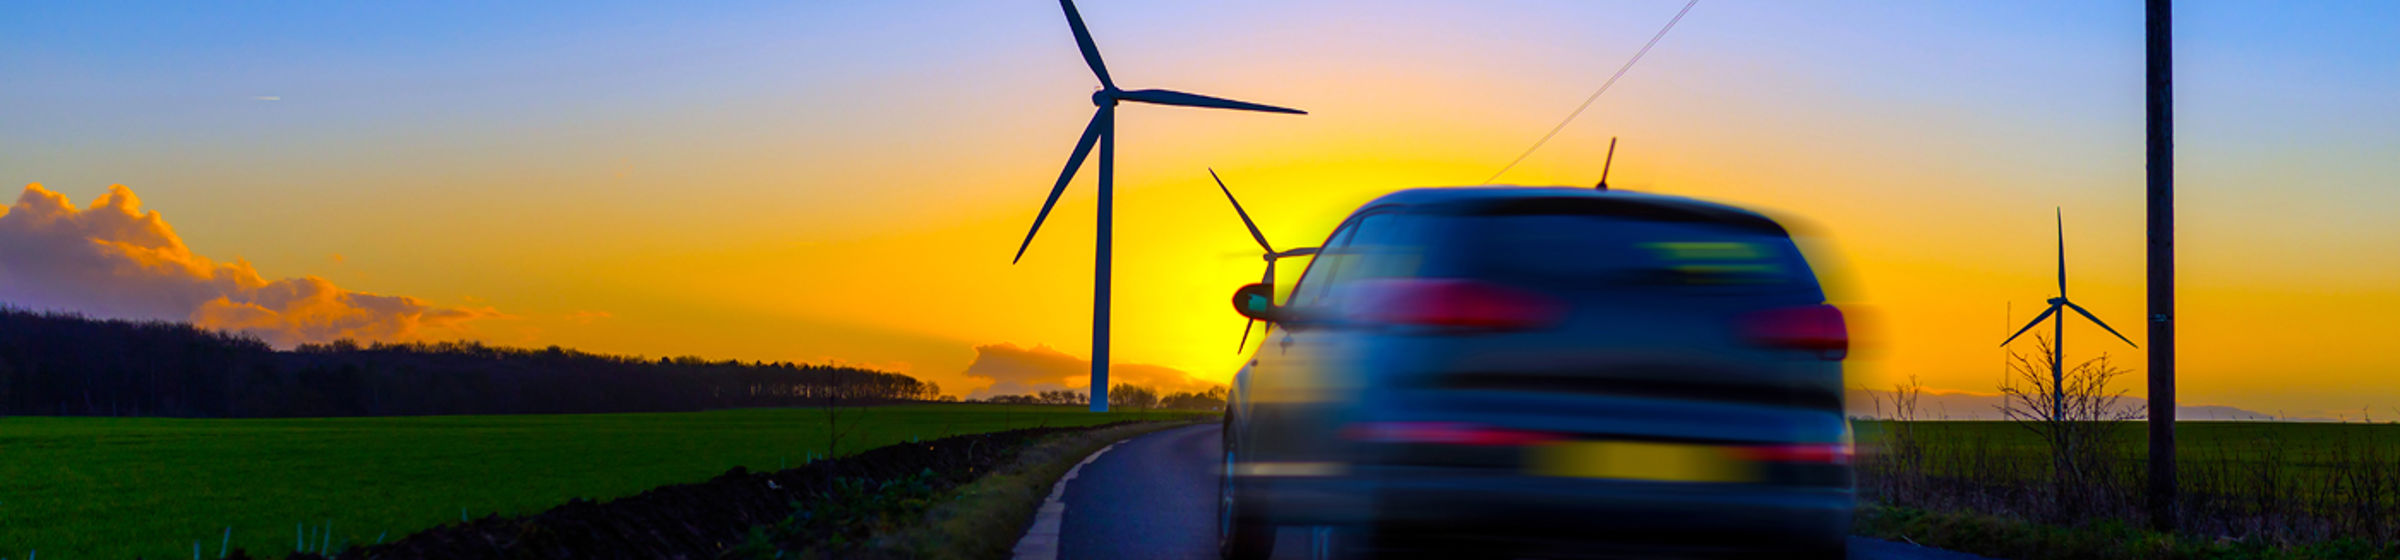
(2058, 352)
(1271, 255)
(1103, 129)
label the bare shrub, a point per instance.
(1895, 470)
(2078, 416)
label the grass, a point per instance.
(2299, 449)
(2000, 537)
(150, 487)
(2277, 489)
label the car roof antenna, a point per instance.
(1612, 158)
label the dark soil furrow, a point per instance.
(699, 520)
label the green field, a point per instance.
(150, 487)
(2302, 452)
(2331, 489)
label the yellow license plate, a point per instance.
(1633, 460)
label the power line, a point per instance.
(1587, 102)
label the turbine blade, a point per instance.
(2103, 324)
(1237, 210)
(1083, 41)
(2037, 319)
(2062, 253)
(1164, 97)
(1300, 252)
(1237, 348)
(1083, 147)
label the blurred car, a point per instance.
(1545, 372)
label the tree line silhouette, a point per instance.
(1123, 396)
(55, 363)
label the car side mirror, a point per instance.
(1257, 301)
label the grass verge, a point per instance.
(1999, 537)
(985, 518)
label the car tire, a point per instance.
(1837, 550)
(1239, 535)
(1247, 540)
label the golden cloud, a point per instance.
(1007, 369)
(113, 260)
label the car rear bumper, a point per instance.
(1527, 509)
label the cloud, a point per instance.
(113, 260)
(268, 98)
(1007, 369)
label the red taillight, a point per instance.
(1451, 303)
(1444, 433)
(1816, 327)
(1821, 453)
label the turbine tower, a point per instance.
(1271, 255)
(2058, 352)
(1103, 129)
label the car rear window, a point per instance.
(1617, 250)
(1378, 246)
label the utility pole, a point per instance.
(2161, 171)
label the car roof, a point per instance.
(1440, 195)
(1501, 194)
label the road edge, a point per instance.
(1041, 539)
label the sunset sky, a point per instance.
(847, 181)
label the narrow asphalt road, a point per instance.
(1155, 496)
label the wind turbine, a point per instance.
(1103, 129)
(1270, 256)
(2058, 352)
